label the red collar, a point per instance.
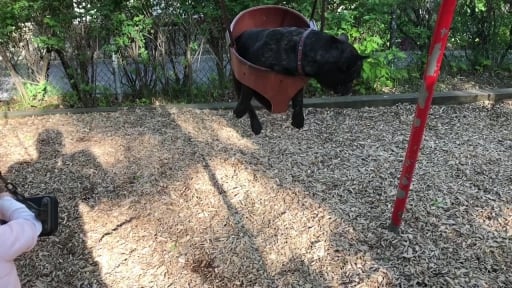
(299, 51)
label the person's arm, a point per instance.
(21, 231)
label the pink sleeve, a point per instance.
(20, 233)
(17, 236)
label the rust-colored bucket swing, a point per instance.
(278, 88)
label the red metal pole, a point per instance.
(431, 73)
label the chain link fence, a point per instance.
(7, 88)
(115, 76)
(118, 78)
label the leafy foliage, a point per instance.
(484, 31)
(157, 43)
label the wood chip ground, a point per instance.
(190, 198)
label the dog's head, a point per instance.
(344, 66)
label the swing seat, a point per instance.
(278, 88)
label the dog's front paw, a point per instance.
(298, 120)
(256, 127)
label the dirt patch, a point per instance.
(189, 198)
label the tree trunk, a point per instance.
(45, 67)
(219, 47)
(393, 38)
(69, 73)
(18, 80)
(38, 62)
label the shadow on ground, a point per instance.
(170, 198)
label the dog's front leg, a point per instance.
(298, 113)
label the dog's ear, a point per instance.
(343, 37)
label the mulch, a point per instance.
(190, 198)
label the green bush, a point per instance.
(156, 33)
(38, 95)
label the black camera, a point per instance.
(44, 207)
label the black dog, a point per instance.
(332, 61)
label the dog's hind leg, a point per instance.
(256, 126)
(298, 113)
(237, 85)
(244, 100)
(244, 106)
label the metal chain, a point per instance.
(13, 190)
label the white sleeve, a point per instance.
(21, 231)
